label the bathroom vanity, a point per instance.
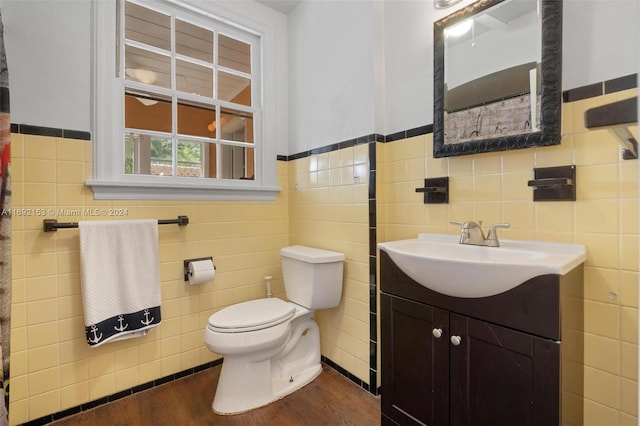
(494, 360)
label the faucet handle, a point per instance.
(464, 231)
(492, 238)
(455, 222)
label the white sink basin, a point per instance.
(440, 263)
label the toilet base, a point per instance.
(281, 388)
(254, 379)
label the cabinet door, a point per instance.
(415, 363)
(501, 376)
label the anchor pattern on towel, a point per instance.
(122, 324)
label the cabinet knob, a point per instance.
(456, 340)
(437, 333)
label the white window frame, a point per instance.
(109, 182)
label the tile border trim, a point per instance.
(372, 137)
(27, 129)
(603, 88)
(584, 92)
(119, 395)
(329, 363)
(579, 93)
(163, 380)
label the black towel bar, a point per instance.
(554, 183)
(435, 190)
(52, 225)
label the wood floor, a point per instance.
(331, 399)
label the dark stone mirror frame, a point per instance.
(551, 91)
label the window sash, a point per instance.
(221, 108)
(109, 180)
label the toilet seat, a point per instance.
(252, 315)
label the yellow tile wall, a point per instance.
(328, 207)
(52, 367)
(493, 187)
(324, 204)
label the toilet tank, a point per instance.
(312, 276)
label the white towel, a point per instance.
(120, 273)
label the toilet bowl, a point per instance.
(271, 347)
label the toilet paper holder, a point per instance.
(188, 261)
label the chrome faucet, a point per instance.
(471, 233)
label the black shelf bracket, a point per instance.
(617, 117)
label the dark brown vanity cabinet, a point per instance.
(486, 361)
(415, 366)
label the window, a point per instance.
(178, 107)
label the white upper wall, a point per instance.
(48, 45)
(331, 72)
(408, 52)
(355, 66)
(600, 42)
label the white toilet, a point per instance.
(271, 348)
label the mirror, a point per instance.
(497, 77)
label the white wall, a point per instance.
(408, 50)
(331, 73)
(600, 39)
(355, 67)
(48, 46)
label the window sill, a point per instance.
(110, 190)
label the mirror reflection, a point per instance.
(497, 76)
(492, 67)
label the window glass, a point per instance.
(236, 125)
(237, 163)
(180, 113)
(146, 111)
(197, 120)
(147, 26)
(148, 155)
(234, 88)
(153, 155)
(194, 79)
(194, 159)
(189, 106)
(234, 54)
(147, 67)
(193, 41)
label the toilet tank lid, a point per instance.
(311, 254)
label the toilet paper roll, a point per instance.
(201, 271)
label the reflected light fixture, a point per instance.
(142, 75)
(459, 29)
(213, 125)
(146, 101)
(443, 4)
